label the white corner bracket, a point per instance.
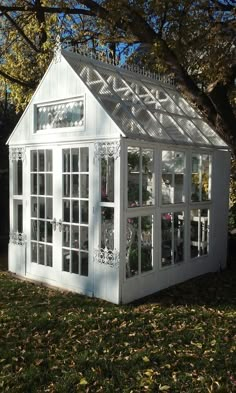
(107, 149)
(107, 257)
(17, 238)
(17, 153)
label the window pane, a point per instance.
(75, 186)
(204, 232)
(84, 159)
(84, 238)
(173, 168)
(205, 177)
(133, 176)
(41, 161)
(48, 160)
(75, 211)
(34, 166)
(107, 227)
(42, 231)
(66, 235)
(41, 184)
(107, 179)
(34, 225)
(49, 256)
(34, 184)
(49, 232)
(64, 114)
(66, 160)
(178, 237)
(41, 208)
(196, 165)
(146, 243)
(147, 177)
(41, 260)
(34, 252)
(75, 160)
(84, 264)
(75, 236)
(75, 262)
(48, 184)
(49, 208)
(84, 212)
(166, 239)
(132, 247)
(195, 232)
(84, 186)
(66, 261)
(66, 211)
(66, 185)
(34, 208)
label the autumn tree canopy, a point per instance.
(192, 40)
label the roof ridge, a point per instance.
(101, 57)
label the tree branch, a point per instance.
(29, 85)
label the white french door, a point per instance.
(60, 215)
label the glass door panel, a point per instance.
(75, 207)
(41, 207)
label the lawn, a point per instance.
(180, 340)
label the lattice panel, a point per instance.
(17, 153)
(107, 257)
(17, 238)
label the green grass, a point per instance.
(180, 340)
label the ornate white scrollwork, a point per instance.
(107, 257)
(17, 153)
(17, 238)
(57, 50)
(107, 149)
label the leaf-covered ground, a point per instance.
(180, 340)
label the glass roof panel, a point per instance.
(182, 103)
(209, 133)
(143, 107)
(192, 131)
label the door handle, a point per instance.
(60, 225)
(54, 224)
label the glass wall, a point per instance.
(166, 171)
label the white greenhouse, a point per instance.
(118, 187)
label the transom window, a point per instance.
(61, 114)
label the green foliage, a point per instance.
(180, 340)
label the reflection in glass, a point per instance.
(84, 159)
(107, 179)
(49, 208)
(41, 202)
(75, 211)
(66, 185)
(34, 226)
(83, 238)
(48, 160)
(66, 160)
(196, 173)
(205, 177)
(41, 254)
(66, 261)
(75, 160)
(146, 243)
(34, 207)
(132, 247)
(34, 166)
(147, 177)
(66, 210)
(34, 184)
(199, 232)
(34, 252)
(166, 239)
(41, 161)
(178, 237)
(84, 264)
(107, 227)
(84, 186)
(48, 184)
(133, 176)
(41, 178)
(75, 236)
(173, 169)
(75, 262)
(49, 256)
(49, 232)
(42, 231)
(75, 186)
(84, 212)
(66, 235)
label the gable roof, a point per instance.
(143, 107)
